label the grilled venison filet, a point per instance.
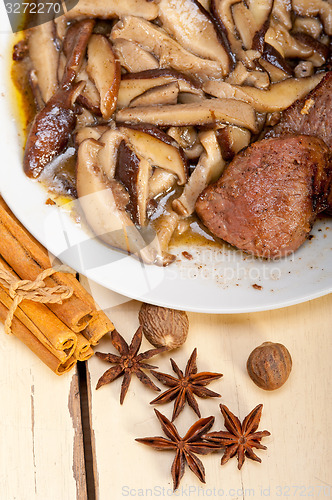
(267, 200)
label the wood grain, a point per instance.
(298, 461)
(41, 452)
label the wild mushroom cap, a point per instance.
(103, 201)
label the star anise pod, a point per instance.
(186, 386)
(128, 362)
(241, 438)
(186, 448)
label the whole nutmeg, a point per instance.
(269, 365)
(163, 326)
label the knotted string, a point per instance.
(35, 290)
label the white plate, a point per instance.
(214, 282)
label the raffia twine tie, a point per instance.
(35, 290)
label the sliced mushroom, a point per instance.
(134, 84)
(258, 40)
(194, 152)
(44, 56)
(222, 12)
(165, 225)
(74, 46)
(224, 90)
(187, 138)
(278, 97)
(231, 140)
(162, 94)
(245, 24)
(108, 155)
(238, 75)
(89, 133)
(288, 46)
(133, 57)
(158, 148)
(109, 9)
(89, 97)
(313, 8)
(276, 74)
(320, 52)
(208, 169)
(160, 182)
(187, 98)
(205, 4)
(61, 25)
(308, 25)
(275, 64)
(134, 172)
(183, 226)
(61, 66)
(118, 159)
(84, 119)
(103, 201)
(207, 112)
(105, 71)
(304, 69)
(50, 131)
(33, 80)
(256, 78)
(192, 26)
(169, 52)
(260, 11)
(282, 10)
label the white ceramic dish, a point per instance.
(215, 281)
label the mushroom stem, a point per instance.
(75, 43)
(135, 84)
(103, 201)
(44, 56)
(209, 168)
(206, 112)
(105, 71)
(165, 225)
(279, 96)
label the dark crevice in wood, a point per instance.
(85, 413)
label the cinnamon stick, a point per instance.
(87, 355)
(98, 326)
(61, 355)
(42, 322)
(28, 258)
(25, 335)
(82, 347)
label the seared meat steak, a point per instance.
(311, 115)
(267, 199)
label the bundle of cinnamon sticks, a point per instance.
(59, 334)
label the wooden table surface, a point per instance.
(42, 453)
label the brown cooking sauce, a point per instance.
(195, 235)
(60, 179)
(22, 93)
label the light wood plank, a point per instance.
(41, 451)
(298, 461)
